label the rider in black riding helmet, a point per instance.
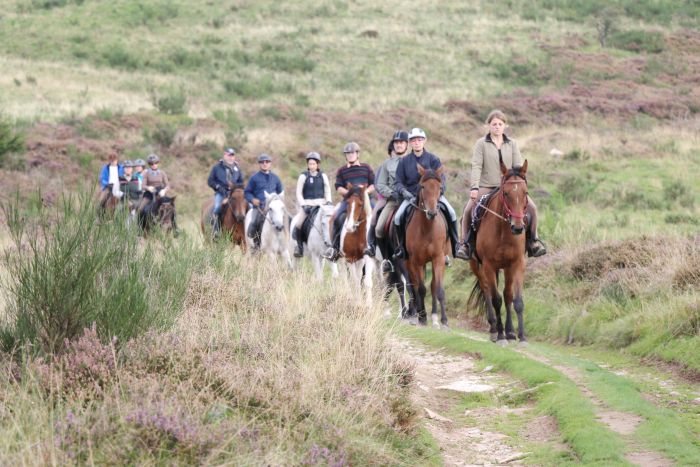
(313, 189)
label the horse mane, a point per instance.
(514, 172)
(430, 174)
(353, 190)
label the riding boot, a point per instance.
(299, 248)
(400, 251)
(371, 244)
(468, 248)
(535, 246)
(452, 230)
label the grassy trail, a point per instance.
(605, 407)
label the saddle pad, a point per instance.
(479, 211)
(308, 223)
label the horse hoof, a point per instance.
(436, 325)
(413, 321)
(510, 336)
(494, 337)
(444, 327)
(502, 342)
(523, 344)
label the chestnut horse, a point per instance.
(500, 245)
(160, 210)
(427, 242)
(353, 237)
(233, 211)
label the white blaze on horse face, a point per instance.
(350, 219)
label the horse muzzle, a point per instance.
(239, 217)
(517, 230)
(279, 228)
(430, 215)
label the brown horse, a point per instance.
(108, 203)
(500, 245)
(233, 211)
(353, 238)
(427, 242)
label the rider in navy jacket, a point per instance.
(408, 185)
(261, 182)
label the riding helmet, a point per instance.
(128, 163)
(351, 147)
(230, 151)
(416, 133)
(140, 162)
(313, 155)
(152, 158)
(400, 135)
(264, 157)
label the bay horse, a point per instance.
(232, 217)
(500, 245)
(274, 238)
(427, 242)
(108, 203)
(353, 238)
(318, 241)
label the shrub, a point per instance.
(249, 88)
(171, 101)
(235, 130)
(117, 56)
(638, 41)
(576, 188)
(163, 134)
(11, 140)
(67, 271)
(678, 191)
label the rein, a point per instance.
(508, 212)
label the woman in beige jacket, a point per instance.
(486, 175)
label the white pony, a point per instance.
(273, 238)
(319, 240)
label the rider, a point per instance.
(386, 186)
(223, 178)
(154, 179)
(486, 175)
(129, 184)
(408, 185)
(139, 165)
(313, 189)
(109, 177)
(355, 173)
(261, 182)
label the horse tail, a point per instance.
(477, 299)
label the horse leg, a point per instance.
(412, 294)
(497, 302)
(508, 297)
(487, 281)
(519, 306)
(438, 290)
(367, 282)
(422, 316)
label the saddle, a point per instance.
(308, 223)
(389, 221)
(479, 209)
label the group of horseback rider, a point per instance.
(397, 184)
(132, 183)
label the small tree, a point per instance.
(605, 24)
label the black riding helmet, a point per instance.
(400, 135)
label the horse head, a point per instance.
(514, 196)
(237, 203)
(430, 190)
(355, 199)
(274, 205)
(165, 212)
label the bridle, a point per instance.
(507, 211)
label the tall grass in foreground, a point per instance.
(260, 369)
(66, 270)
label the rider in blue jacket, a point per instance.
(408, 184)
(262, 181)
(223, 178)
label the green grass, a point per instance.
(662, 429)
(590, 441)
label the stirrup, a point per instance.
(463, 252)
(536, 248)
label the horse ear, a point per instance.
(523, 169)
(421, 170)
(440, 170)
(267, 195)
(172, 198)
